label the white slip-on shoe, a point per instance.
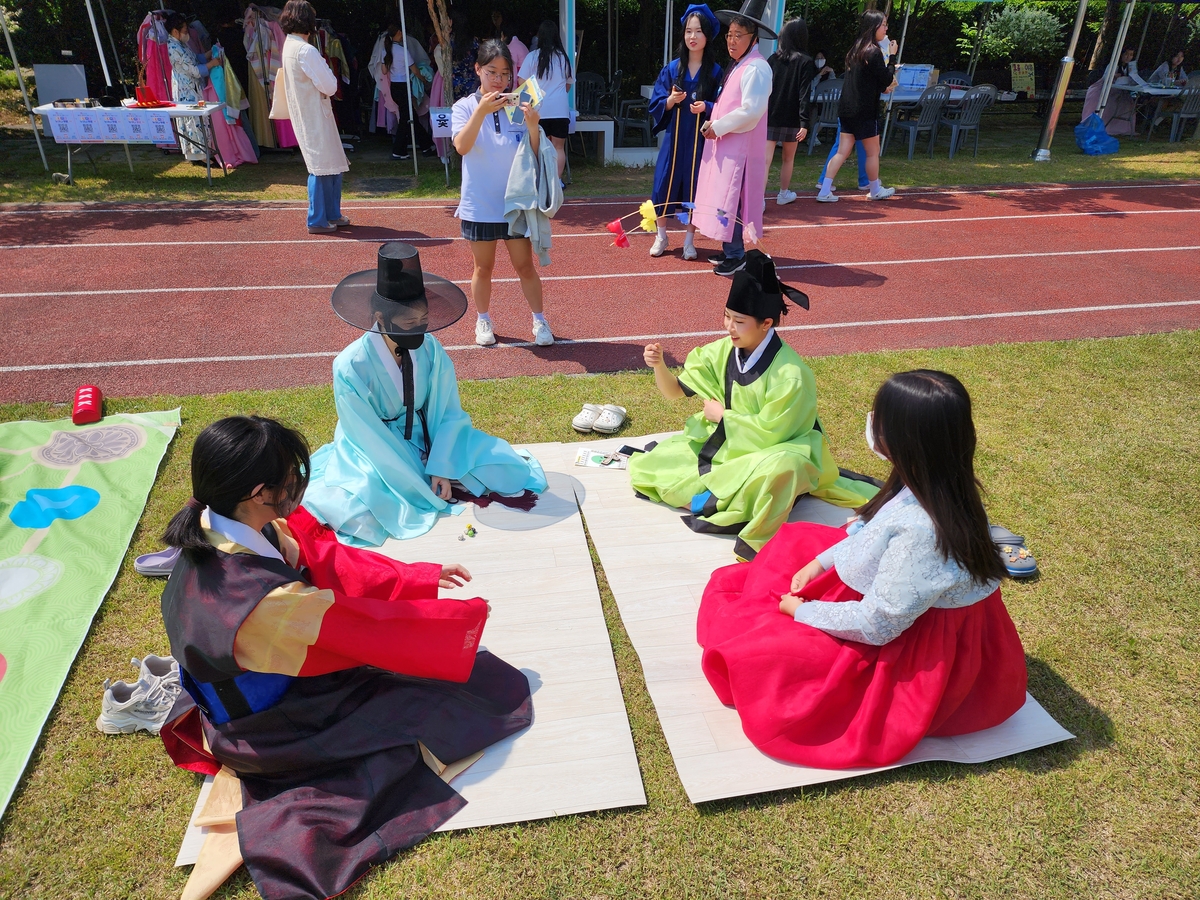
(881, 194)
(659, 247)
(542, 336)
(783, 198)
(586, 418)
(689, 249)
(158, 564)
(484, 335)
(610, 420)
(827, 198)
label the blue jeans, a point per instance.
(735, 248)
(859, 154)
(324, 199)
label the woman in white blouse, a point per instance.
(899, 631)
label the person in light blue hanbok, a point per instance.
(404, 449)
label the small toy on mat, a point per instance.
(89, 405)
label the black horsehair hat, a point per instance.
(757, 291)
(752, 10)
(395, 286)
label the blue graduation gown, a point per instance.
(371, 483)
(679, 156)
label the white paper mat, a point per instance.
(547, 621)
(657, 569)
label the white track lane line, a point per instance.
(827, 326)
(602, 275)
(276, 205)
(769, 230)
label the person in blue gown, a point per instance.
(404, 447)
(681, 102)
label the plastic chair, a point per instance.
(955, 79)
(629, 118)
(588, 88)
(826, 101)
(931, 103)
(610, 97)
(970, 109)
(1189, 99)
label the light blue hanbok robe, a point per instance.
(371, 483)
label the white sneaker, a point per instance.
(785, 197)
(660, 244)
(689, 249)
(484, 335)
(127, 708)
(159, 670)
(541, 333)
(827, 197)
(881, 194)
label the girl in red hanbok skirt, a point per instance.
(892, 628)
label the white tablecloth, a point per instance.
(118, 125)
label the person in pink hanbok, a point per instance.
(733, 173)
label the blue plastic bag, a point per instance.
(1092, 139)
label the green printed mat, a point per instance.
(70, 497)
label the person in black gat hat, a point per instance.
(757, 444)
(404, 448)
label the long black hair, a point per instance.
(922, 421)
(793, 39)
(392, 27)
(860, 51)
(550, 45)
(708, 62)
(230, 459)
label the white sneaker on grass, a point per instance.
(541, 333)
(659, 247)
(484, 335)
(159, 670)
(127, 708)
(881, 194)
(785, 197)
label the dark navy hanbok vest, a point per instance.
(203, 606)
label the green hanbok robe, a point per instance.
(742, 475)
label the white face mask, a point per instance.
(871, 436)
(820, 62)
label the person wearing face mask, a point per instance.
(324, 685)
(889, 634)
(757, 443)
(404, 449)
(188, 73)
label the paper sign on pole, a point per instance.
(439, 118)
(1022, 78)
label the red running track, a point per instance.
(173, 299)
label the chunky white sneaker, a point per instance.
(827, 197)
(783, 198)
(159, 670)
(484, 335)
(541, 333)
(689, 249)
(659, 247)
(127, 708)
(881, 194)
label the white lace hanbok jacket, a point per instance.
(893, 561)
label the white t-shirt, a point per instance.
(554, 84)
(485, 168)
(401, 60)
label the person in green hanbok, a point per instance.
(757, 444)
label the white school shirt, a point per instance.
(554, 84)
(401, 60)
(486, 167)
(893, 561)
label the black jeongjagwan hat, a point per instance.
(757, 291)
(752, 10)
(396, 285)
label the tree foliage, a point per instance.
(1019, 33)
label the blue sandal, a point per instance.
(1016, 556)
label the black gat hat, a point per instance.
(398, 285)
(752, 10)
(757, 291)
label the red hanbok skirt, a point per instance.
(809, 698)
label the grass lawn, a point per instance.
(1004, 158)
(1087, 447)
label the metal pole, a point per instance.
(887, 116)
(667, 33)
(99, 45)
(113, 44)
(1042, 152)
(1118, 49)
(12, 54)
(412, 123)
(1166, 34)
(1145, 28)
